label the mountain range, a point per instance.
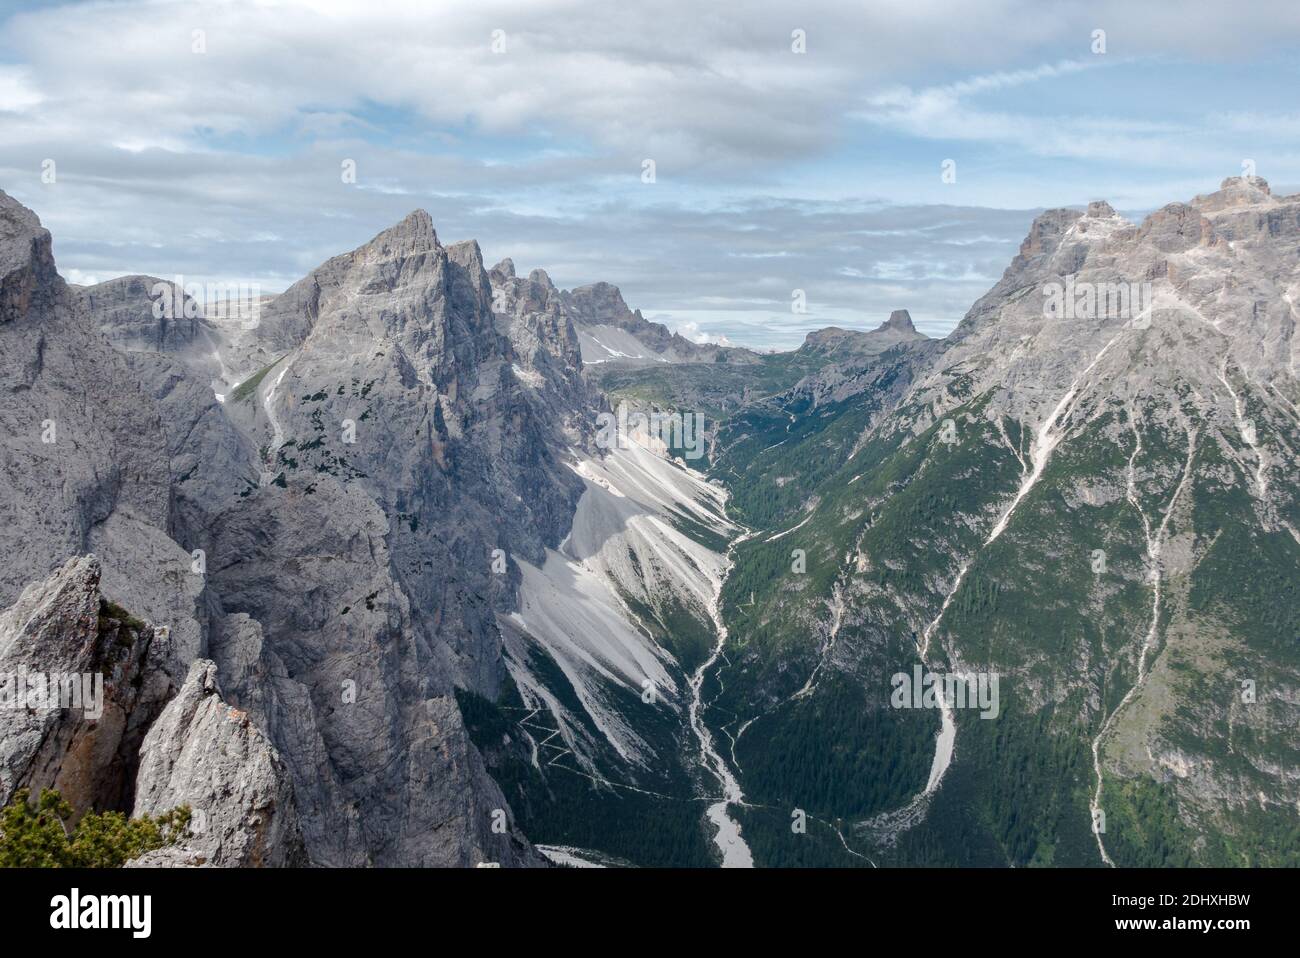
(370, 585)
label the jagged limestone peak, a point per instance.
(414, 234)
(900, 320)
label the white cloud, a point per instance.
(18, 92)
(690, 329)
(227, 162)
(947, 113)
(667, 81)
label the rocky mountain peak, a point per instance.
(1053, 223)
(900, 320)
(124, 310)
(68, 598)
(1236, 191)
(1245, 186)
(1211, 267)
(414, 234)
(1043, 239)
(19, 229)
(850, 344)
(400, 275)
(467, 254)
(27, 270)
(601, 304)
(505, 269)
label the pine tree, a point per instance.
(39, 835)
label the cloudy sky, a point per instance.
(209, 140)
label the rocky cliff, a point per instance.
(312, 500)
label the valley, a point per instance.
(474, 616)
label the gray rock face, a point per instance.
(900, 320)
(1236, 191)
(84, 463)
(601, 304)
(65, 627)
(116, 306)
(345, 602)
(1217, 271)
(532, 314)
(851, 344)
(210, 756)
(178, 362)
(28, 281)
(404, 438)
(254, 675)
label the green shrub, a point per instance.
(38, 835)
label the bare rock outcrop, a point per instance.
(82, 738)
(208, 755)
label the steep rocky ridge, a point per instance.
(249, 530)
(402, 440)
(85, 457)
(608, 331)
(129, 741)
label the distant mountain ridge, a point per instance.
(609, 331)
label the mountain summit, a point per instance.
(900, 320)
